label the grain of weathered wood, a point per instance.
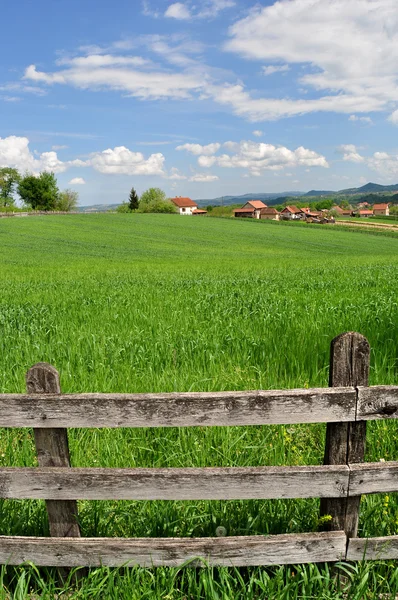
(53, 451)
(345, 442)
(378, 402)
(320, 405)
(373, 478)
(174, 484)
(380, 548)
(172, 552)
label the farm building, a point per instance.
(185, 206)
(199, 211)
(292, 212)
(365, 213)
(269, 213)
(251, 209)
(381, 209)
(337, 209)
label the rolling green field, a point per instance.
(145, 303)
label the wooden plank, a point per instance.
(53, 451)
(345, 442)
(178, 409)
(380, 548)
(175, 484)
(378, 402)
(172, 552)
(373, 478)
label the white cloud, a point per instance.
(206, 9)
(15, 152)
(203, 178)
(197, 149)
(271, 69)
(367, 120)
(393, 118)
(321, 36)
(178, 11)
(176, 175)
(144, 84)
(257, 133)
(350, 153)
(77, 181)
(59, 147)
(122, 161)
(10, 98)
(257, 157)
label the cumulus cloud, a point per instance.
(257, 157)
(257, 133)
(203, 178)
(197, 149)
(178, 11)
(271, 69)
(176, 175)
(393, 118)
(350, 153)
(321, 35)
(367, 120)
(206, 9)
(122, 161)
(77, 181)
(15, 152)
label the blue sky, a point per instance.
(201, 99)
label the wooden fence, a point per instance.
(345, 406)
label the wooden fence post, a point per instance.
(53, 451)
(345, 442)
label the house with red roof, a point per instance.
(251, 209)
(292, 212)
(381, 209)
(186, 206)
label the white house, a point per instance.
(185, 206)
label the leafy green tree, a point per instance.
(67, 200)
(154, 201)
(124, 207)
(9, 178)
(40, 193)
(133, 200)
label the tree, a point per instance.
(67, 200)
(133, 200)
(124, 207)
(9, 178)
(154, 201)
(40, 193)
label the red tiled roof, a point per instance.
(366, 212)
(306, 210)
(257, 204)
(199, 211)
(380, 206)
(183, 202)
(268, 211)
(292, 209)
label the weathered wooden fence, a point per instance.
(345, 406)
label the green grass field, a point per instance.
(144, 303)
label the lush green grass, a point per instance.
(161, 303)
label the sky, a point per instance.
(205, 99)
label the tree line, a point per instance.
(36, 192)
(153, 200)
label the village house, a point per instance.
(186, 206)
(381, 209)
(251, 209)
(365, 213)
(269, 213)
(292, 212)
(337, 209)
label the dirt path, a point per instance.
(369, 225)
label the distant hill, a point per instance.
(97, 208)
(266, 197)
(369, 188)
(314, 193)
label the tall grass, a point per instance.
(123, 303)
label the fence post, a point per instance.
(345, 442)
(53, 451)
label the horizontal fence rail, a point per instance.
(345, 407)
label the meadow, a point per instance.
(147, 303)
